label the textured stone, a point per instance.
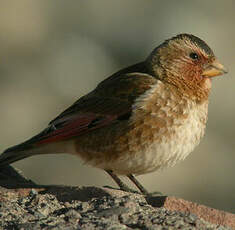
(63, 207)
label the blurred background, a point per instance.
(53, 52)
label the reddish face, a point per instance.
(188, 63)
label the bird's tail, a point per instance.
(16, 153)
(11, 157)
(28, 149)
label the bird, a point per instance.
(143, 118)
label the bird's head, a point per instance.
(186, 62)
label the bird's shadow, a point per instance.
(11, 178)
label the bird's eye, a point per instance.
(194, 56)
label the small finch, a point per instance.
(145, 117)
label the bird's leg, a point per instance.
(122, 186)
(138, 185)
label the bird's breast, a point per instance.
(165, 144)
(163, 129)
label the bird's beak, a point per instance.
(214, 69)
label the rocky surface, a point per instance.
(25, 205)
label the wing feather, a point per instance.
(111, 101)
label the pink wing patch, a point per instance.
(76, 126)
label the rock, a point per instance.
(25, 205)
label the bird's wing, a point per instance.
(110, 102)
